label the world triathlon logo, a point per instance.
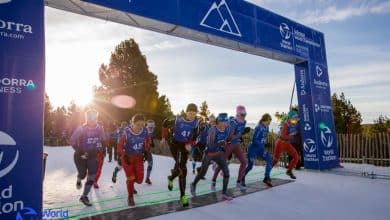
(326, 135)
(309, 145)
(285, 31)
(5, 1)
(7, 141)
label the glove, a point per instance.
(84, 156)
(188, 147)
(145, 156)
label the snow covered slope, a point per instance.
(314, 195)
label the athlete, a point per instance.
(237, 129)
(120, 131)
(216, 142)
(87, 141)
(150, 125)
(289, 130)
(256, 149)
(200, 145)
(181, 132)
(131, 146)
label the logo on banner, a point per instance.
(307, 127)
(285, 31)
(302, 81)
(15, 86)
(326, 135)
(219, 17)
(28, 213)
(5, 1)
(319, 71)
(309, 145)
(6, 140)
(322, 108)
(306, 113)
(14, 30)
(318, 83)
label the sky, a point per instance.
(357, 36)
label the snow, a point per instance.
(314, 195)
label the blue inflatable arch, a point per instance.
(232, 24)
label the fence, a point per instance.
(358, 148)
(353, 148)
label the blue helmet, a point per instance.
(293, 115)
(222, 117)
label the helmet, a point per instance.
(137, 117)
(212, 118)
(292, 114)
(91, 115)
(192, 108)
(222, 117)
(240, 110)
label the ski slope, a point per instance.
(313, 195)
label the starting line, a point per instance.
(158, 209)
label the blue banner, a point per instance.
(243, 22)
(325, 131)
(307, 124)
(235, 20)
(21, 112)
(316, 116)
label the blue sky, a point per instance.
(357, 37)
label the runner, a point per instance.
(150, 125)
(256, 149)
(120, 132)
(237, 129)
(181, 132)
(132, 144)
(87, 141)
(216, 141)
(288, 134)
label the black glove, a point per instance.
(145, 156)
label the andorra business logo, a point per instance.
(319, 71)
(16, 86)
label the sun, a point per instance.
(84, 98)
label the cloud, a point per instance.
(360, 75)
(367, 86)
(334, 13)
(321, 11)
(68, 28)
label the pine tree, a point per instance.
(48, 118)
(128, 74)
(347, 118)
(204, 110)
(382, 124)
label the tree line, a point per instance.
(127, 73)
